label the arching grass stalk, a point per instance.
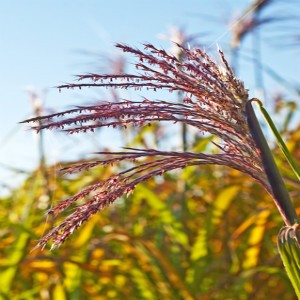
(214, 102)
(288, 239)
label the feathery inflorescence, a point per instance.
(214, 103)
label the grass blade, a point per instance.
(279, 139)
(288, 246)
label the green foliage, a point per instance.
(289, 250)
(202, 233)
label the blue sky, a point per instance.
(43, 44)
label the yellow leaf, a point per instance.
(222, 202)
(59, 292)
(200, 246)
(255, 239)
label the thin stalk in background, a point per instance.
(37, 104)
(258, 75)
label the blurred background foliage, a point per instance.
(199, 233)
